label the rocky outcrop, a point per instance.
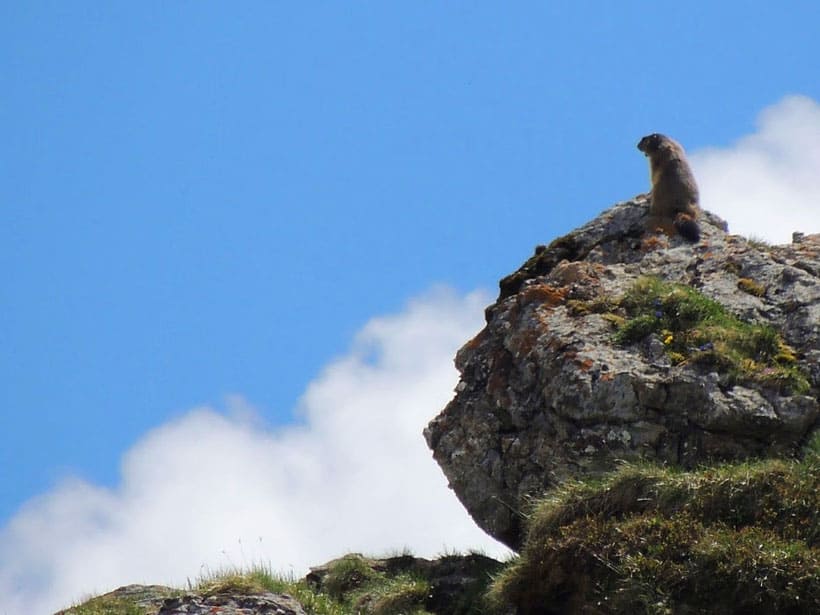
(232, 604)
(161, 600)
(546, 394)
(145, 598)
(452, 584)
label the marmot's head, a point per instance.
(654, 144)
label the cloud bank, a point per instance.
(213, 490)
(767, 184)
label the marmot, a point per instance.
(674, 196)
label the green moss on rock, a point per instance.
(701, 332)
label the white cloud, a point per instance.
(767, 184)
(213, 490)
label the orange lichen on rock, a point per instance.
(585, 364)
(655, 242)
(567, 272)
(542, 293)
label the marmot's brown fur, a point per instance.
(674, 197)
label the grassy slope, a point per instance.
(737, 538)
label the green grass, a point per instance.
(357, 586)
(403, 594)
(260, 578)
(351, 586)
(735, 538)
(106, 606)
(698, 331)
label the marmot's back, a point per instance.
(675, 197)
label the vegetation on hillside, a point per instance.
(351, 585)
(736, 538)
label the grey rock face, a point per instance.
(161, 600)
(545, 395)
(230, 604)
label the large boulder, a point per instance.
(547, 394)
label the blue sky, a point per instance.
(208, 205)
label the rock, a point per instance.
(546, 395)
(232, 604)
(160, 600)
(147, 598)
(456, 582)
